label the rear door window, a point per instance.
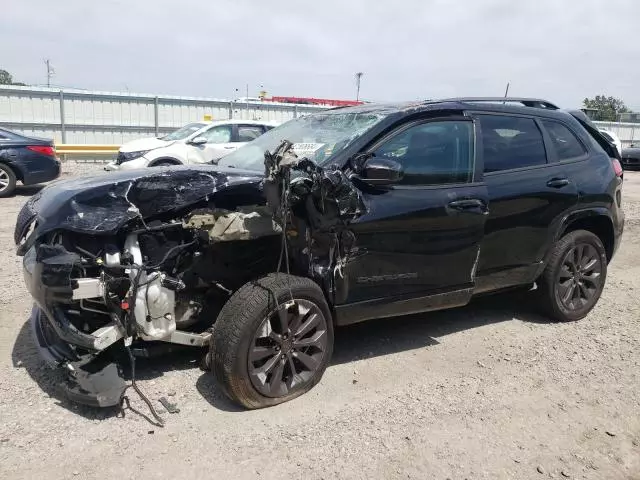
(564, 141)
(246, 133)
(219, 134)
(511, 142)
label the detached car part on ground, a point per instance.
(260, 257)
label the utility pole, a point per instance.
(50, 71)
(247, 98)
(358, 78)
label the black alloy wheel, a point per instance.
(288, 348)
(574, 276)
(580, 277)
(272, 340)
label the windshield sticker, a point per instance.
(307, 149)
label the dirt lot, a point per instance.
(488, 391)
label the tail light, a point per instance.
(617, 167)
(43, 150)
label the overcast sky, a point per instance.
(562, 50)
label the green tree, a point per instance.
(5, 78)
(608, 108)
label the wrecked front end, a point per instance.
(138, 260)
(136, 263)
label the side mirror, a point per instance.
(382, 171)
(198, 141)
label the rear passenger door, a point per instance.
(529, 193)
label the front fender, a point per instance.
(176, 151)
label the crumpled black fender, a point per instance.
(103, 204)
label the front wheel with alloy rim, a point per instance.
(574, 277)
(7, 181)
(272, 340)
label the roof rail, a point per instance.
(527, 102)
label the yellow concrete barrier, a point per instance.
(71, 149)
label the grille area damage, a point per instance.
(136, 263)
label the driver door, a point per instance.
(417, 246)
(219, 143)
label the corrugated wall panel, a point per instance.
(93, 117)
(628, 133)
(28, 108)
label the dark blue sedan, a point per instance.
(25, 159)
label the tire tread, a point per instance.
(237, 320)
(546, 282)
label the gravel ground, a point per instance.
(490, 391)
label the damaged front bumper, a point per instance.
(49, 283)
(92, 377)
(141, 162)
(97, 381)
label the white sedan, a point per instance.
(199, 142)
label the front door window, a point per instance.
(433, 153)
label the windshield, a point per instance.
(183, 132)
(316, 137)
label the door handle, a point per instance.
(468, 204)
(558, 182)
(228, 148)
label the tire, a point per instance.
(249, 324)
(560, 279)
(7, 181)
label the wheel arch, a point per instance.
(596, 221)
(172, 160)
(16, 169)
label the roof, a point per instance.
(236, 121)
(495, 104)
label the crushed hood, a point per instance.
(144, 144)
(101, 205)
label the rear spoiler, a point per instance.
(593, 130)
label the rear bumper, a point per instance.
(48, 171)
(618, 231)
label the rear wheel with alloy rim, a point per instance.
(7, 181)
(272, 340)
(574, 277)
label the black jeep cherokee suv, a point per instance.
(372, 211)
